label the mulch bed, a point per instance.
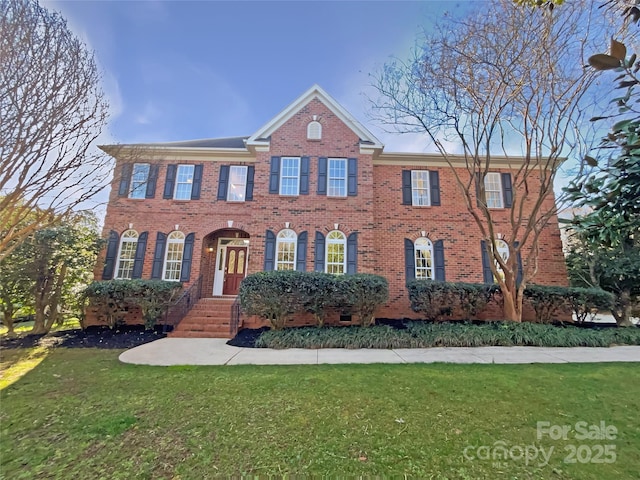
(92, 337)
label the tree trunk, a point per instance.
(622, 311)
(512, 305)
(38, 324)
(54, 299)
(7, 320)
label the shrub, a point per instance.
(112, 298)
(318, 291)
(588, 301)
(547, 301)
(362, 294)
(438, 299)
(272, 295)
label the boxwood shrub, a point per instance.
(278, 295)
(436, 300)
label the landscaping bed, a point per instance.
(126, 336)
(420, 334)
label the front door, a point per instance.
(234, 269)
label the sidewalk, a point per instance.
(215, 351)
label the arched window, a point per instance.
(286, 250)
(173, 256)
(503, 250)
(424, 259)
(336, 259)
(127, 254)
(314, 130)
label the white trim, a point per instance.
(166, 254)
(118, 258)
(342, 242)
(344, 179)
(293, 240)
(500, 189)
(315, 92)
(428, 246)
(282, 159)
(427, 188)
(244, 193)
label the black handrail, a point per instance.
(182, 306)
(236, 313)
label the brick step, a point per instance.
(190, 334)
(201, 325)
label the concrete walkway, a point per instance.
(215, 351)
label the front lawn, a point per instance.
(82, 414)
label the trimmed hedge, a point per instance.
(449, 334)
(112, 298)
(277, 295)
(436, 300)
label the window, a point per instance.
(173, 257)
(184, 182)
(424, 259)
(314, 131)
(286, 250)
(127, 253)
(139, 179)
(493, 190)
(336, 259)
(420, 188)
(337, 177)
(237, 184)
(290, 176)
(503, 250)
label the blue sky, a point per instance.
(183, 69)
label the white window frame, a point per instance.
(124, 266)
(335, 237)
(240, 189)
(424, 246)
(296, 190)
(174, 239)
(139, 180)
(493, 179)
(420, 188)
(502, 248)
(339, 191)
(184, 176)
(286, 237)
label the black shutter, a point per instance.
(406, 187)
(304, 176)
(507, 190)
(158, 256)
(274, 175)
(138, 259)
(169, 181)
(438, 260)
(319, 258)
(197, 182)
(434, 188)
(269, 251)
(112, 253)
(520, 272)
(322, 176)
(409, 260)
(125, 179)
(352, 253)
(352, 178)
(301, 260)
(187, 257)
(223, 182)
(251, 171)
(151, 181)
(487, 274)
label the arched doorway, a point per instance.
(225, 259)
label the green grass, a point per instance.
(82, 414)
(454, 334)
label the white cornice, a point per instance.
(152, 152)
(437, 160)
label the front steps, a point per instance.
(209, 318)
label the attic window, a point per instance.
(314, 130)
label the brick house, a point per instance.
(311, 190)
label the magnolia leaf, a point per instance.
(592, 162)
(618, 50)
(602, 61)
(632, 60)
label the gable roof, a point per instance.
(261, 137)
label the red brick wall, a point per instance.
(376, 213)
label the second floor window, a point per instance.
(493, 190)
(290, 176)
(237, 184)
(184, 182)
(139, 179)
(420, 188)
(337, 177)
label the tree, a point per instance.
(15, 286)
(510, 75)
(52, 109)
